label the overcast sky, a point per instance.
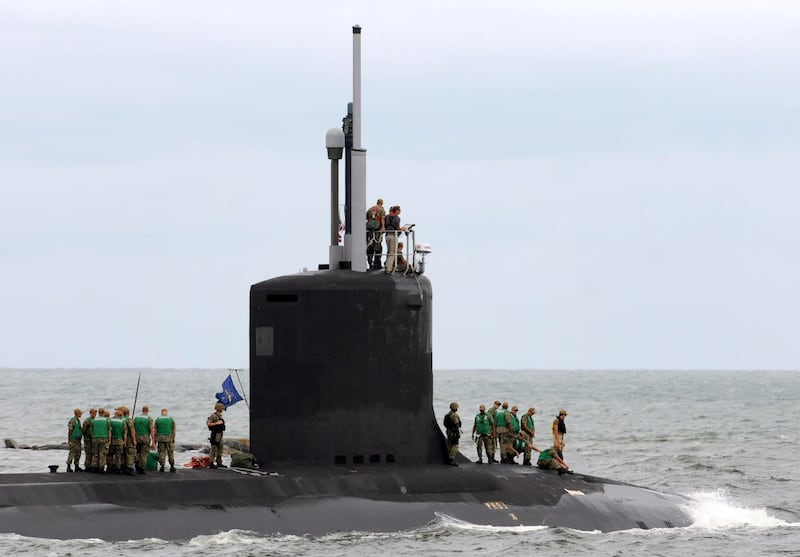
(605, 184)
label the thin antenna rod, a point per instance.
(136, 398)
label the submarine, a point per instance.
(341, 423)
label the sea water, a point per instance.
(729, 440)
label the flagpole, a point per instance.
(136, 398)
(244, 394)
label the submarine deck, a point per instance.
(322, 500)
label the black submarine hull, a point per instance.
(317, 501)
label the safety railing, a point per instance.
(403, 254)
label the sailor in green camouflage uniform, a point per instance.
(503, 433)
(129, 448)
(514, 429)
(482, 433)
(101, 434)
(87, 439)
(528, 432)
(492, 411)
(216, 425)
(74, 435)
(165, 437)
(452, 425)
(549, 460)
(143, 426)
(117, 442)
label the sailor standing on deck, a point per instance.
(87, 439)
(145, 438)
(393, 230)
(165, 437)
(515, 428)
(74, 434)
(452, 425)
(503, 434)
(528, 432)
(559, 431)
(482, 434)
(216, 425)
(376, 217)
(129, 450)
(101, 435)
(492, 412)
(117, 442)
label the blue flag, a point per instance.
(229, 395)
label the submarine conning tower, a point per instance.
(341, 370)
(340, 358)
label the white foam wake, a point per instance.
(449, 521)
(717, 510)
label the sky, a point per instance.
(605, 185)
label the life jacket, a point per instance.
(87, 428)
(528, 421)
(547, 454)
(500, 419)
(117, 428)
(142, 424)
(165, 425)
(100, 428)
(198, 462)
(514, 421)
(76, 433)
(482, 424)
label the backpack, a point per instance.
(374, 218)
(243, 460)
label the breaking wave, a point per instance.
(716, 509)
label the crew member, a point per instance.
(74, 435)
(393, 230)
(519, 445)
(514, 429)
(101, 435)
(165, 437)
(492, 412)
(550, 460)
(87, 439)
(117, 442)
(482, 434)
(503, 435)
(143, 426)
(559, 431)
(402, 264)
(376, 225)
(452, 426)
(528, 432)
(129, 448)
(216, 425)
